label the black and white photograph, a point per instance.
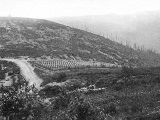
(79, 59)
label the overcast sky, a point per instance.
(60, 8)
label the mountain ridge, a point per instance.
(141, 28)
(38, 38)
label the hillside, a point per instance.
(141, 28)
(70, 89)
(38, 38)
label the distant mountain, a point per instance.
(140, 28)
(38, 38)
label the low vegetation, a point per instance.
(127, 93)
(42, 39)
(75, 91)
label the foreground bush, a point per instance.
(19, 105)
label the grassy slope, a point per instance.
(37, 38)
(131, 93)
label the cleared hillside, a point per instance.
(38, 38)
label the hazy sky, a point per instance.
(60, 8)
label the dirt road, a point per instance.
(27, 72)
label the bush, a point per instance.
(72, 84)
(19, 105)
(157, 79)
(110, 109)
(2, 75)
(136, 109)
(62, 101)
(60, 77)
(50, 91)
(86, 111)
(101, 83)
(126, 71)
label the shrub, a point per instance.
(19, 105)
(126, 71)
(118, 86)
(61, 77)
(101, 83)
(157, 79)
(2, 74)
(72, 84)
(136, 109)
(62, 101)
(110, 109)
(50, 91)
